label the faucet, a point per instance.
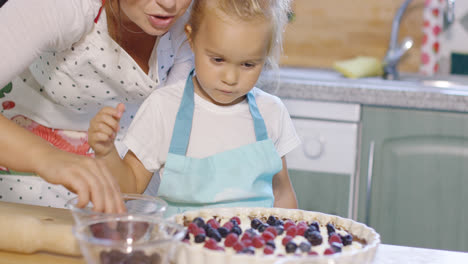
(395, 52)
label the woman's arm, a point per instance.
(285, 197)
(24, 151)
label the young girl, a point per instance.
(62, 61)
(215, 139)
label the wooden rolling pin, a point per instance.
(30, 229)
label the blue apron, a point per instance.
(240, 177)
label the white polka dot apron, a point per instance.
(60, 92)
(238, 177)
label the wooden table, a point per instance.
(386, 254)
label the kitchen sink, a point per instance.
(407, 80)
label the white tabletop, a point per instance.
(389, 254)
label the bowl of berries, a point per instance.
(135, 204)
(273, 235)
(128, 239)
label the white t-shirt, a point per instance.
(214, 128)
(75, 67)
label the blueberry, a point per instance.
(213, 233)
(291, 247)
(305, 246)
(271, 220)
(248, 250)
(279, 222)
(347, 239)
(336, 246)
(279, 230)
(236, 229)
(234, 222)
(251, 232)
(315, 225)
(255, 223)
(200, 238)
(199, 222)
(330, 229)
(270, 243)
(262, 227)
(187, 235)
(223, 231)
(314, 237)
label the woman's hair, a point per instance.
(275, 11)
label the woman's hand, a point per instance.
(103, 128)
(88, 177)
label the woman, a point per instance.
(61, 62)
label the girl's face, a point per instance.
(155, 17)
(229, 56)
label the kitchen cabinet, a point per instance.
(413, 183)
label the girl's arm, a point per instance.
(26, 152)
(129, 172)
(285, 197)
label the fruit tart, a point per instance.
(273, 235)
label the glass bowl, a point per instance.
(128, 239)
(136, 204)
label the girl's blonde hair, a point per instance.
(275, 11)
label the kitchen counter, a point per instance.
(329, 85)
(386, 254)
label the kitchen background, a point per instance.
(327, 31)
(389, 153)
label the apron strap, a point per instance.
(100, 10)
(183, 122)
(259, 124)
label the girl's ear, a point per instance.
(188, 33)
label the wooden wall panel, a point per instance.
(325, 31)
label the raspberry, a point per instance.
(228, 225)
(231, 239)
(213, 223)
(329, 251)
(288, 223)
(268, 250)
(291, 231)
(192, 227)
(247, 242)
(238, 246)
(272, 229)
(220, 248)
(301, 229)
(211, 244)
(268, 236)
(286, 239)
(302, 223)
(237, 219)
(258, 242)
(335, 238)
(312, 253)
(247, 236)
(199, 231)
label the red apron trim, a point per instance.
(100, 10)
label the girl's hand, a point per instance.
(103, 128)
(85, 176)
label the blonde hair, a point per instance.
(275, 11)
